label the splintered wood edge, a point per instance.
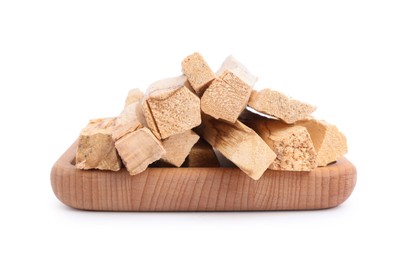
(200, 189)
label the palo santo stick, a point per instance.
(171, 108)
(138, 148)
(202, 155)
(198, 72)
(291, 143)
(276, 104)
(226, 97)
(233, 65)
(96, 147)
(178, 147)
(239, 144)
(329, 142)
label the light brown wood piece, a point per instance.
(132, 112)
(202, 155)
(121, 130)
(96, 148)
(239, 144)
(201, 189)
(134, 95)
(276, 104)
(198, 72)
(138, 149)
(226, 97)
(177, 147)
(233, 65)
(291, 143)
(170, 108)
(329, 142)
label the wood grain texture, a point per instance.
(200, 189)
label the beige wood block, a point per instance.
(134, 95)
(96, 148)
(233, 65)
(198, 72)
(138, 149)
(178, 147)
(226, 97)
(329, 142)
(121, 130)
(171, 108)
(132, 112)
(291, 143)
(276, 104)
(239, 144)
(202, 155)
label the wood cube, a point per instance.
(138, 149)
(329, 142)
(171, 108)
(96, 147)
(226, 97)
(292, 144)
(198, 72)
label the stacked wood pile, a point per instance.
(186, 121)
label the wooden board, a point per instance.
(200, 189)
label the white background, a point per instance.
(64, 62)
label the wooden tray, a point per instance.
(200, 189)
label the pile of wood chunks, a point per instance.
(187, 120)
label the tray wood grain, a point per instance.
(200, 189)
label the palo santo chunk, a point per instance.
(276, 104)
(226, 97)
(96, 148)
(178, 147)
(291, 143)
(170, 108)
(121, 130)
(239, 144)
(238, 69)
(138, 149)
(198, 72)
(134, 95)
(202, 155)
(131, 112)
(329, 142)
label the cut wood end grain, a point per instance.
(226, 97)
(138, 149)
(198, 72)
(329, 142)
(171, 108)
(276, 104)
(239, 144)
(96, 147)
(178, 147)
(292, 144)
